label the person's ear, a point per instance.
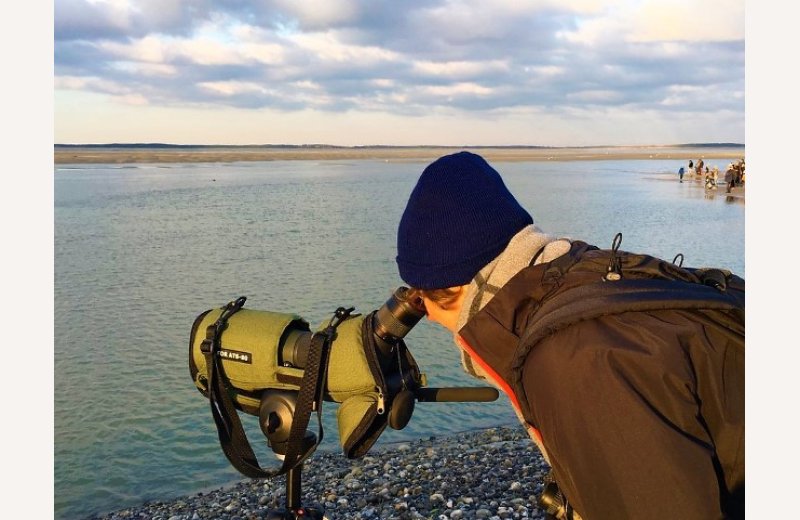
(456, 296)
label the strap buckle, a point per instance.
(205, 346)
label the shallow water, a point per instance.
(141, 250)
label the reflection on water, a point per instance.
(735, 197)
(140, 251)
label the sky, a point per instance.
(416, 72)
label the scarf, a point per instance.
(529, 243)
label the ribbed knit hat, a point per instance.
(459, 217)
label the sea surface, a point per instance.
(141, 250)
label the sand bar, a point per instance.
(202, 154)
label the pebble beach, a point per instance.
(487, 474)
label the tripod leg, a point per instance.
(293, 508)
(293, 488)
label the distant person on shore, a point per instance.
(699, 168)
(638, 409)
(739, 168)
(710, 182)
(743, 171)
(730, 177)
(680, 173)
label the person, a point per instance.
(741, 162)
(680, 173)
(711, 179)
(739, 173)
(743, 172)
(730, 177)
(636, 413)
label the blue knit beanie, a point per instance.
(459, 217)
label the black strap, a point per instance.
(556, 268)
(312, 391)
(232, 436)
(309, 398)
(561, 264)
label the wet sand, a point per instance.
(97, 155)
(735, 195)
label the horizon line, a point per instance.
(321, 145)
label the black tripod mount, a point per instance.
(276, 416)
(293, 509)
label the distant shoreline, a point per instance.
(124, 154)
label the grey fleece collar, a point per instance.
(517, 255)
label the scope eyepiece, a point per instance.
(391, 323)
(396, 318)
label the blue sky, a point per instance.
(559, 73)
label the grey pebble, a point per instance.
(486, 474)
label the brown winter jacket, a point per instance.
(641, 413)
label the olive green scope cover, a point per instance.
(249, 350)
(250, 353)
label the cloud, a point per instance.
(662, 20)
(326, 48)
(121, 19)
(685, 20)
(312, 14)
(428, 56)
(458, 70)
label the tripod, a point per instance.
(276, 416)
(277, 409)
(293, 509)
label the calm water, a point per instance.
(141, 250)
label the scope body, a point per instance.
(259, 361)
